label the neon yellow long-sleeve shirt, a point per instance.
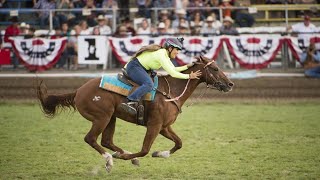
(159, 58)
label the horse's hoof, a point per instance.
(116, 154)
(108, 167)
(156, 154)
(135, 162)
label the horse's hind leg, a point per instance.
(170, 134)
(107, 140)
(91, 138)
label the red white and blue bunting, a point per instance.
(299, 46)
(38, 54)
(124, 48)
(254, 51)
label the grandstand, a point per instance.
(272, 19)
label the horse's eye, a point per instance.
(215, 69)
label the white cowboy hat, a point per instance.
(227, 18)
(101, 17)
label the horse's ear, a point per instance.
(198, 58)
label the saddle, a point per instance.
(140, 116)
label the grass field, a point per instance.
(220, 141)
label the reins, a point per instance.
(174, 100)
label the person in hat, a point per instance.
(148, 59)
(227, 27)
(24, 29)
(103, 26)
(303, 29)
(211, 26)
(180, 14)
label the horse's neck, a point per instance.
(177, 87)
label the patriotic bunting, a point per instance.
(38, 54)
(254, 51)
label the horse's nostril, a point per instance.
(231, 84)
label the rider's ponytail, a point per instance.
(151, 47)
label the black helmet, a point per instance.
(174, 42)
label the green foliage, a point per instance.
(220, 141)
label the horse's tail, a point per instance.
(51, 103)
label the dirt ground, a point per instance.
(261, 88)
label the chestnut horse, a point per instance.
(100, 107)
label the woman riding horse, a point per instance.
(149, 58)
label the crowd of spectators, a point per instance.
(175, 17)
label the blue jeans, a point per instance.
(140, 76)
(313, 72)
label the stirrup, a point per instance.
(129, 107)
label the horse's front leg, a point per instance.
(107, 141)
(151, 134)
(170, 134)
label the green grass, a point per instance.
(220, 141)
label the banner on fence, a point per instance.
(124, 48)
(38, 54)
(254, 51)
(298, 46)
(92, 50)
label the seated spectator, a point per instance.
(168, 26)
(183, 29)
(144, 28)
(180, 14)
(227, 27)
(65, 31)
(226, 8)
(164, 15)
(24, 29)
(12, 31)
(161, 29)
(46, 6)
(211, 26)
(121, 32)
(144, 6)
(96, 31)
(196, 20)
(64, 15)
(162, 4)
(73, 46)
(195, 4)
(112, 4)
(103, 26)
(303, 29)
(311, 61)
(242, 17)
(208, 11)
(85, 30)
(130, 29)
(91, 17)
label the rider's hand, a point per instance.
(195, 75)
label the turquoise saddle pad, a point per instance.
(112, 83)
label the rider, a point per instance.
(146, 60)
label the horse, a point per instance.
(160, 113)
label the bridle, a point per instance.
(208, 75)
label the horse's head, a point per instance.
(213, 76)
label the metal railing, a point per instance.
(266, 9)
